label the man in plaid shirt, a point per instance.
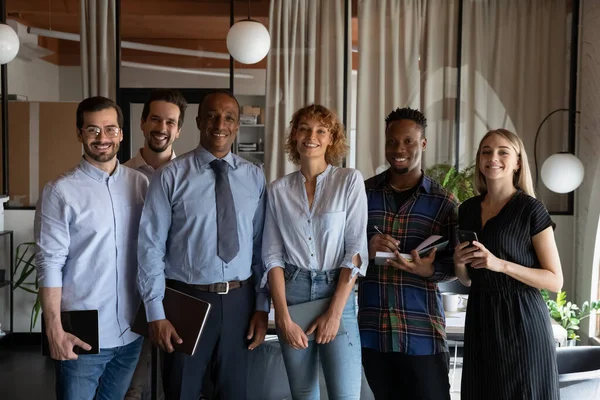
(401, 316)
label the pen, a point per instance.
(377, 229)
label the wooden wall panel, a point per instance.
(18, 150)
(59, 148)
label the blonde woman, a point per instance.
(509, 346)
(314, 246)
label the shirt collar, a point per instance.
(205, 157)
(320, 177)
(382, 183)
(138, 160)
(96, 173)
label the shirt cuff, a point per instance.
(155, 311)
(263, 302)
(270, 265)
(51, 278)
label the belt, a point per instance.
(220, 287)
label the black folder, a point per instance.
(81, 323)
(187, 314)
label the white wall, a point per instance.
(38, 80)
(70, 81)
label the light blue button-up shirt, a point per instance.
(321, 238)
(178, 229)
(86, 227)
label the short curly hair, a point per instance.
(336, 151)
(407, 113)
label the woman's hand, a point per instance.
(293, 334)
(327, 326)
(463, 253)
(483, 258)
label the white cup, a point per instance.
(450, 301)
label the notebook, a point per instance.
(423, 249)
(305, 314)
(187, 314)
(81, 323)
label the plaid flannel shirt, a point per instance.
(400, 311)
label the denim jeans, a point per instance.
(104, 376)
(340, 359)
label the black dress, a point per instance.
(509, 349)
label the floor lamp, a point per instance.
(561, 172)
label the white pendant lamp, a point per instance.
(9, 44)
(248, 41)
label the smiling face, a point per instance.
(312, 138)
(404, 145)
(161, 126)
(498, 159)
(218, 122)
(101, 148)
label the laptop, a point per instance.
(187, 314)
(81, 323)
(305, 314)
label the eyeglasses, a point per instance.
(94, 131)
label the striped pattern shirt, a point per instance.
(400, 311)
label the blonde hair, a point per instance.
(522, 178)
(336, 151)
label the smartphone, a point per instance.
(467, 236)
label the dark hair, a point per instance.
(216, 92)
(170, 96)
(407, 113)
(94, 104)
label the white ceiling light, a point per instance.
(248, 41)
(9, 44)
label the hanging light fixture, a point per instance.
(248, 41)
(561, 172)
(9, 44)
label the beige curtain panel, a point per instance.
(305, 65)
(98, 48)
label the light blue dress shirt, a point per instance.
(86, 228)
(178, 229)
(327, 235)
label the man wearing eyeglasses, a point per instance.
(86, 228)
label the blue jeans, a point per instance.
(104, 376)
(340, 359)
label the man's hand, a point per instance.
(163, 334)
(419, 266)
(257, 329)
(381, 242)
(61, 345)
(326, 326)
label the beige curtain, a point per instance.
(514, 73)
(98, 48)
(305, 65)
(407, 57)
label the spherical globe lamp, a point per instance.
(9, 44)
(562, 172)
(248, 41)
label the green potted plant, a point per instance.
(459, 183)
(24, 268)
(568, 314)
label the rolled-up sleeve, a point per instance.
(273, 249)
(152, 242)
(52, 238)
(355, 234)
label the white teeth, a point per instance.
(399, 159)
(311, 145)
(218, 135)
